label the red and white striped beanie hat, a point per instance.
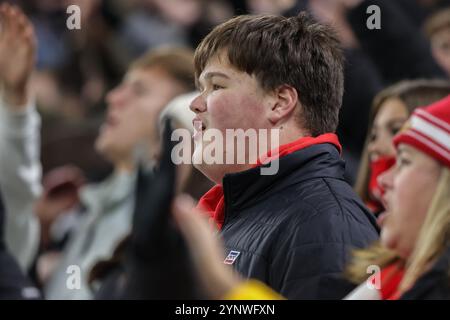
(428, 129)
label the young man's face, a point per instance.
(229, 99)
(133, 109)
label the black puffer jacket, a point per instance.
(294, 230)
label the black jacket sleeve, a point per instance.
(310, 257)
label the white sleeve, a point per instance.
(20, 179)
(363, 292)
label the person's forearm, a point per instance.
(19, 159)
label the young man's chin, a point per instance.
(214, 172)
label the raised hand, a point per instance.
(17, 54)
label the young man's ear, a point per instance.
(286, 100)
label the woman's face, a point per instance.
(440, 48)
(390, 118)
(410, 186)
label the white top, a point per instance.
(107, 220)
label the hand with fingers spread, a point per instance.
(17, 54)
(158, 263)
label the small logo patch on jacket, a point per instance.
(231, 258)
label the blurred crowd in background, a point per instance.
(76, 69)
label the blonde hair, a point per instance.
(413, 94)
(432, 240)
(434, 235)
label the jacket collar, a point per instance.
(245, 188)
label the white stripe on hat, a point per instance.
(430, 130)
(428, 143)
(434, 119)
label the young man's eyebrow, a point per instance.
(211, 74)
(208, 76)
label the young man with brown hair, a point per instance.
(150, 83)
(294, 229)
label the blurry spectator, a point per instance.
(375, 58)
(390, 109)
(153, 23)
(134, 106)
(80, 60)
(419, 10)
(70, 86)
(107, 277)
(19, 138)
(280, 7)
(414, 239)
(437, 28)
(399, 34)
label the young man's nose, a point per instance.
(198, 105)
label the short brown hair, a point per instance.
(296, 51)
(178, 62)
